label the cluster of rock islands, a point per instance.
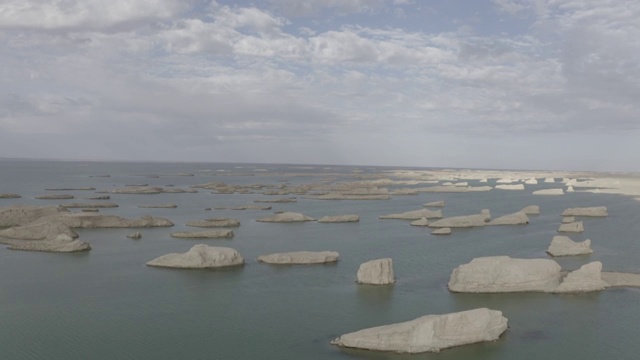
(51, 228)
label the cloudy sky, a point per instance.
(537, 84)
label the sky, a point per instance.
(501, 84)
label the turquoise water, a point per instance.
(106, 304)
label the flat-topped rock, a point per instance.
(596, 211)
(150, 190)
(102, 197)
(575, 227)
(200, 257)
(568, 219)
(564, 246)
(414, 215)
(207, 234)
(441, 231)
(61, 243)
(95, 221)
(376, 272)
(585, 279)
(421, 222)
(159, 206)
(42, 230)
(286, 217)
(430, 333)
(549, 180)
(300, 257)
(55, 197)
(24, 214)
(496, 274)
(549, 192)
(517, 218)
(339, 219)
(9, 196)
(89, 205)
(214, 223)
(464, 221)
(510, 187)
(531, 210)
(434, 204)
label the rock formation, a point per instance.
(89, 205)
(159, 206)
(518, 218)
(568, 219)
(286, 217)
(497, 274)
(200, 257)
(510, 187)
(24, 214)
(300, 257)
(441, 231)
(430, 333)
(531, 210)
(339, 219)
(55, 197)
(376, 272)
(9, 196)
(135, 236)
(414, 215)
(207, 234)
(549, 192)
(420, 222)
(464, 221)
(434, 204)
(214, 223)
(572, 227)
(585, 279)
(596, 211)
(564, 246)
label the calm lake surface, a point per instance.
(106, 304)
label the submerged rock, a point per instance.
(286, 217)
(430, 333)
(207, 234)
(277, 201)
(89, 205)
(376, 272)
(596, 211)
(200, 257)
(135, 236)
(497, 274)
(159, 206)
(340, 196)
(300, 257)
(83, 188)
(55, 197)
(414, 215)
(339, 219)
(9, 196)
(564, 246)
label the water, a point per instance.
(106, 304)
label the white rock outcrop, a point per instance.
(420, 222)
(531, 181)
(430, 333)
(300, 257)
(464, 221)
(568, 219)
(549, 192)
(200, 257)
(339, 219)
(531, 210)
(441, 231)
(518, 218)
(596, 211)
(414, 215)
(549, 180)
(575, 227)
(376, 272)
(585, 279)
(497, 274)
(434, 204)
(286, 217)
(564, 246)
(510, 187)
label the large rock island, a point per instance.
(430, 333)
(200, 257)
